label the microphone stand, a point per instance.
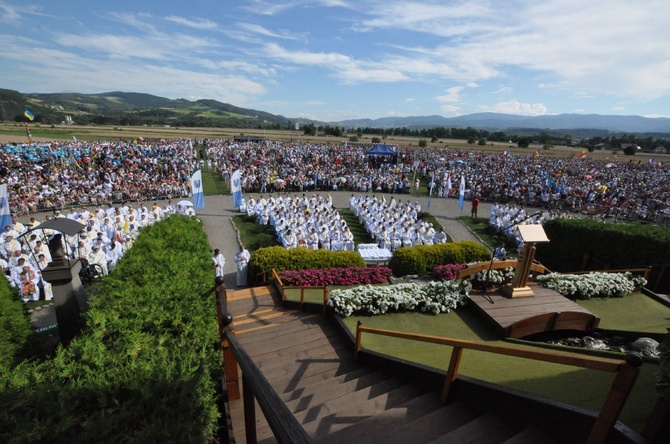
(487, 281)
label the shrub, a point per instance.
(448, 272)
(279, 258)
(424, 258)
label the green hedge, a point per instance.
(614, 244)
(279, 258)
(424, 258)
(144, 368)
(14, 324)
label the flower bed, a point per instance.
(448, 272)
(433, 297)
(335, 276)
(596, 284)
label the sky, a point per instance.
(332, 60)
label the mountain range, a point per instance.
(128, 108)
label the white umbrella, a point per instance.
(184, 203)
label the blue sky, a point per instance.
(341, 59)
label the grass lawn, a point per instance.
(213, 184)
(254, 235)
(357, 229)
(481, 227)
(634, 312)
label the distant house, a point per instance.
(660, 150)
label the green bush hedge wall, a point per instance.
(279, 258)
(423, 258)
(613, 244)
(144, 368)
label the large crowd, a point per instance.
(632, 190)
(57, 175)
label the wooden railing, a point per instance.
(302, 289)
(626, 372)
(255, 387)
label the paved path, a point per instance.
(218, 212)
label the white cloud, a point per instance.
(199, 23)
(452, 96)
(515, 107)
(258, 29)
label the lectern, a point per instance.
(531, 234)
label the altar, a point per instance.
(372, 254)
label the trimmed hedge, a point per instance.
(144, 368)
(14, 324)
(424, 258)
(614, 244)
(279, 258)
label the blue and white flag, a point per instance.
(5, 214)
(461, 193)
(197, 190)
(449, 185)
(236, 188)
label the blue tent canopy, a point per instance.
(381, 150)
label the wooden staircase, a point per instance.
(336, 400)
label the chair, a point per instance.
(89, 272)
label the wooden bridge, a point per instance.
(332, 397)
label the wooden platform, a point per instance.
(546, 311)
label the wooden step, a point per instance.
(385, 425)
(341, 412)
(531, 434)
(320, 393)
(430, 426)
(488, 428)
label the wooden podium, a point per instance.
(531, 234)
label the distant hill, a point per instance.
(129, 108)
(497, 121)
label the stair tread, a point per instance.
(386, 422)
(346, 410)
(327, 390)
(488, 428)
(530, 434)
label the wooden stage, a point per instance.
(546, 311)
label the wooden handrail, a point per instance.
(626, 372)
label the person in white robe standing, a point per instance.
(242, 260)
(219, 262)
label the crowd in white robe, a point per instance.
(107, 234)
(394, 224)
(506, 218)
(306, 221)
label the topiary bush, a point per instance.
(279, 258)
(424, 258)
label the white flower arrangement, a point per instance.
(493, 276)
(433, 297)
(595, 284)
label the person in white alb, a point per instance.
(242, 260)
(219, 262)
